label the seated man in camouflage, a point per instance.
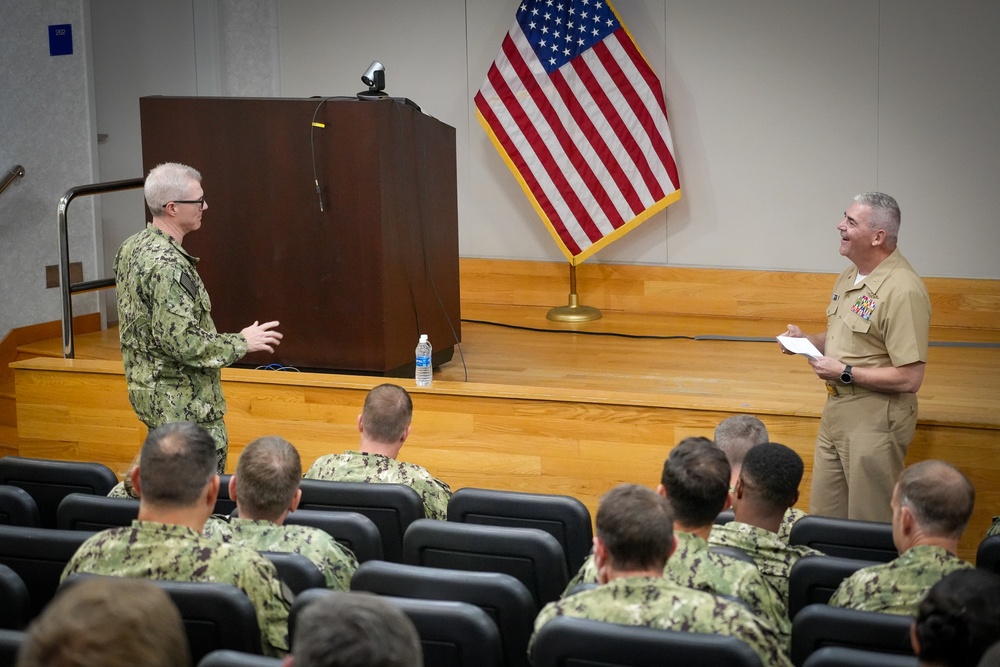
(384, 424)
(931, 505)
(633, 542)
(124, 488)
(768, 485)
(266, 488)
(178, 484)
(736, 435)
(695, 482)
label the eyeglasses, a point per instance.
(199, 202)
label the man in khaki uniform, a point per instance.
(873, 356)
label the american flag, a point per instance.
(579, 116)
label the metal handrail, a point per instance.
(65, 287)
(16, 172)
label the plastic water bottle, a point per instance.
(425, 372)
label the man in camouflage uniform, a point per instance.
(695, 482)
(931, 506)
(170, 348)
(384, 424)
(768, 485)
(266, 488)
(178, 486)
(735, 436)
(633, 541)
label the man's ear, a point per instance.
(795, 499)
(296, 499)
(232, 488)
(907, 521)
(673, 547)
(361, 425)
(212, 490)
(661, 491)
(289, 661)
(879, 237)
(737, 493)
(406, 434)
(136, 480)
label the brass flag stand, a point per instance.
(573, 312)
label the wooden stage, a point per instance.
(556, 408)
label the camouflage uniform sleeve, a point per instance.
(272, 600)
(765, 604)
(179, 332)
(338, 563)
(586, 575)
(852, 590)
(548, 612)
(436, 495)
(994, 528)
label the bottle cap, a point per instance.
(423, 338)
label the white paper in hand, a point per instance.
(800, 346)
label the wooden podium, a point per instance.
(353, 284)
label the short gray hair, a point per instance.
(737, 434)
(167, 182)
(885, 214)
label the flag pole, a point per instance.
(573, 312)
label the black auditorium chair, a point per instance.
(298, 572)
(530, 555)
(216, 616)
(813, 579)
(988, 554)
(85, 511)
(14, 600)
(846, 538)
(223, 503)
(452, 634)
(564, 517)
(725, 517)
(574, 642)
(819, 625)
(48, 481)
(501, 596)
(39, 556)
(391, 507)
(227, 658)
(839, 656)
(351, 529)
(17, 507)
(10, 644)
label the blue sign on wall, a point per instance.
(61, 40)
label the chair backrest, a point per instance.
(574, 642)
(215, 615)
(530, 555)
(452, 634)
(724, 517)
(48, 481)
(298, 572)
(351, 529)
(819, 625)
(85, 511)
(17, 507)
(10, 644)
(839, 656)
(505, 599)
(39, 556)
(813, 579)
(223, 503)
(227, 658)
(846, 538)
(564, 517)
(14, 600)
(391, 507)
(988, 554)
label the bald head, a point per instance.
(939, 496)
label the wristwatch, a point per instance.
(847, 377)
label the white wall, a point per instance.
(781, 110)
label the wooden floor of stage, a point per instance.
(630, 386)
(727, 364)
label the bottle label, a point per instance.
(423, 361)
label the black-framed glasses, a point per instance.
(199, 202)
